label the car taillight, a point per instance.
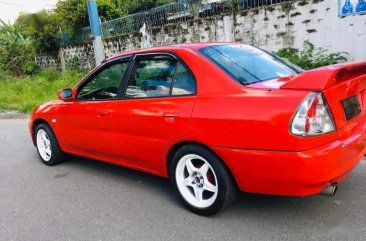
(313, 117)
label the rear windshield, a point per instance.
(248, 64)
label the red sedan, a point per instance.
(215, 119)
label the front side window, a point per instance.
(247, 64)
(151, 78)
(105, 84)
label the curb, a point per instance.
(13, 115)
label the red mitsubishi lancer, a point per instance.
(215, 119)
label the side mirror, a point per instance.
(65, 95)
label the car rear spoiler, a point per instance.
(324, 77)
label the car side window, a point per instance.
(184, 83)
(151, 78)
(105, 84)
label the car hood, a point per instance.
(47, 106)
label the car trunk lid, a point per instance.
(343, 85)
(325, 77)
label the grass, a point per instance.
(26, 92)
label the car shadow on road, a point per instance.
(120, 173)
(245, 205)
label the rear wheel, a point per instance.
(201, 180)
(47, 145)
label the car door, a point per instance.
(88, 121)
(155, 109)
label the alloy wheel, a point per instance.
(196, 181)
(44, 145)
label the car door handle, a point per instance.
(102, 113)
(170, 116)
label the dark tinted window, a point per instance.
(184, 83)
(105, 84)
(151, 78)
(247, 64)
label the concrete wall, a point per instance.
(47, 61)
(272, 28)
(82, 55)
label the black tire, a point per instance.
(227, 189)
(57, 155)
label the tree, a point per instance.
(15, 49)
(73, 14)
(134, 6)
(44, 30)
(41, 32)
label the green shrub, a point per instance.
(31, 68)
(310, 57)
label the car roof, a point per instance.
(167, 48)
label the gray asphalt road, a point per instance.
(89, 200)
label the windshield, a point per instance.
(248, 64)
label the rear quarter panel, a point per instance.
(228, 114)
(255, 119)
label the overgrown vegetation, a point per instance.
(40, 33)
(26, 92)
(16, 51)
(42, 29)
(70, 16)
(311, 57)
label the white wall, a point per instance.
(272, 28)
(318, 22)
(278, 26)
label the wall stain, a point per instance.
(311, 30)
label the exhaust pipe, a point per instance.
(329, 191)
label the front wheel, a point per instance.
(47, 145)
(201, 180)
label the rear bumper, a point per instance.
(294, 173)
